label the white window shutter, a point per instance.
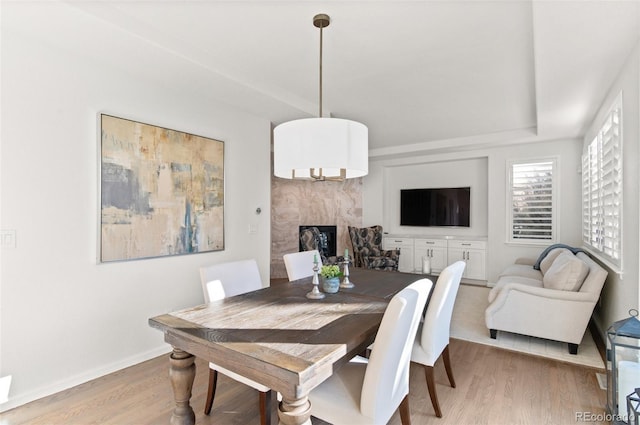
(532, 201)
(602, 189)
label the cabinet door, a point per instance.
(475, 265)
(406, 252)
(435, 249)
(457, 254)
(406, 259)
(474, 259)
(438, 259)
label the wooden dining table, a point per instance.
(278, 337)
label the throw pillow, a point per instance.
(566, 273)
(548, 260)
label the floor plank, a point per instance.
(494, 386)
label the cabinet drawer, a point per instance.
(390, 243)
(431, 243)
(468, 244)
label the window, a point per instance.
(602, 189)
(532, 201)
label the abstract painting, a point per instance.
(161, 191)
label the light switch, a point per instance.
(253, 229)
(7, 238)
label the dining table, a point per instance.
(279, 337)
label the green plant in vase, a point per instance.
(330, 278)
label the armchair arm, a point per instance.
(390, 253)
(541, 312)
(384, 260)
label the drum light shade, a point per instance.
(321, 149)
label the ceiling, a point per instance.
(424, 76)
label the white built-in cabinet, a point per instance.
(440, 252)
(406, 252)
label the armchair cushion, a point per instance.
(566, 273)
(548, 260)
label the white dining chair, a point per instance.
(237, 277)
(218, 281)
(432, 338)
(300, 264)
(369, 391)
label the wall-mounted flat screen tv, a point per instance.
(435, 207)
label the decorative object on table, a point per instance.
(315, 293)
(161, 191)
(623, 365)
(368, 252)
(346, 283)
(330, 278)
(426, 265)
(306, 148)
(633, 407)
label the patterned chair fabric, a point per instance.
(310, 239)
(368, 252)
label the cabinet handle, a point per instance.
(465, 244)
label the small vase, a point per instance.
(330, 285)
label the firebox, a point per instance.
(328, 237)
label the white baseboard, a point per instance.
(20, 399)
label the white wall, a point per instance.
(455, 173)
(486, 172)
(64, 318)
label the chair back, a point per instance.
(310, 239)
(237, 277)
(366, 241)
(437, 320)
(300, 264)
(386, 380)
(214, 290)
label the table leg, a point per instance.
(182, 374)
(295, 412)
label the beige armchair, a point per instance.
(524, 302)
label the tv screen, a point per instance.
(435, 207)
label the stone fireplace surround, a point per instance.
(298, 203)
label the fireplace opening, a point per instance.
(328, 237)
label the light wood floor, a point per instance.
(494, 386)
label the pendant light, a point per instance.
(321, 148)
